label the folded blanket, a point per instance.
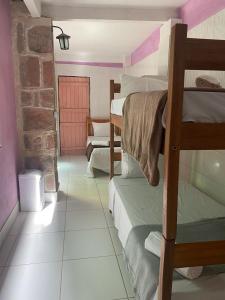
(153, 244)
(143, 131)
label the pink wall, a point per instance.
(192, 13)
(8, 132)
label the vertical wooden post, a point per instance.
(171, 157)
(112, 132)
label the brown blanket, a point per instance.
(142, 132)
(91, 147)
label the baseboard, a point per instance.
(8, 224)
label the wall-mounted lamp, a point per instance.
(63, 39)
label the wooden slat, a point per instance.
(204, 54)
(173, 130)
(171, 160)
(112, 134)
(117, 120)
(199, 254)
(117, 88)
(203, 136)
(117, 156)
(166, 268)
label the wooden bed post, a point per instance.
(172, 153)
(112, 132)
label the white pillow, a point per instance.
(130, 167)
(101, 129)
(131, 84)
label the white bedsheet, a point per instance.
(101, 140)
(133, 202)
(203, 107)
(100, 159)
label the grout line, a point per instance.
(114, 250)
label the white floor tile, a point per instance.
(85, 219)
(46, 221)
(87, 243)
(84, 194)
(104, 194)
(109, 218)
(116, 242)
(81, 203)
(31, 282)
(126, 277)
(6, 249)
(37, 248)
(101, 177)
(92, 279)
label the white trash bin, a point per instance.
(31, 186)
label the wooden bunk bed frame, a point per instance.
(185, 54)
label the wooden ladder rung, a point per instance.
(202, 136)
(199, 254)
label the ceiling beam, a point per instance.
(34, 7)
(60, 13)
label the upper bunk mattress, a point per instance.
(198, 106)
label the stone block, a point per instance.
(33, 142)
(20, 38)
(51, 141)
(29, 71)
(51, 184)
(48, 74)
(38, 119)
(40, 39)
(26, 98)
(44, 163)
(47, 98)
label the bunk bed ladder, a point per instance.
(114, 88)
(186, 54)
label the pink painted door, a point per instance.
(74, 109)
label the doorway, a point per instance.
(74, 108)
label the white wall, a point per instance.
(207, 168)
(99, 84)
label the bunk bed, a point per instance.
(97, 150)
(185, 54)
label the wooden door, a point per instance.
(74, 109)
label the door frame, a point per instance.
(58, 107)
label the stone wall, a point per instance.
(35, 91)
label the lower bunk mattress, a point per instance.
(135, 204)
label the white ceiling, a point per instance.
(104, 30)
(101, 40)
(123, 3)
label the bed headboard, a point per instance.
(90, 130)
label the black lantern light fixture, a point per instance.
(63, 39)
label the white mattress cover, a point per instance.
(203, 107)
(99, 139)
(133, 202)
(100, 159)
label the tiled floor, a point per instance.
(70, 250)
